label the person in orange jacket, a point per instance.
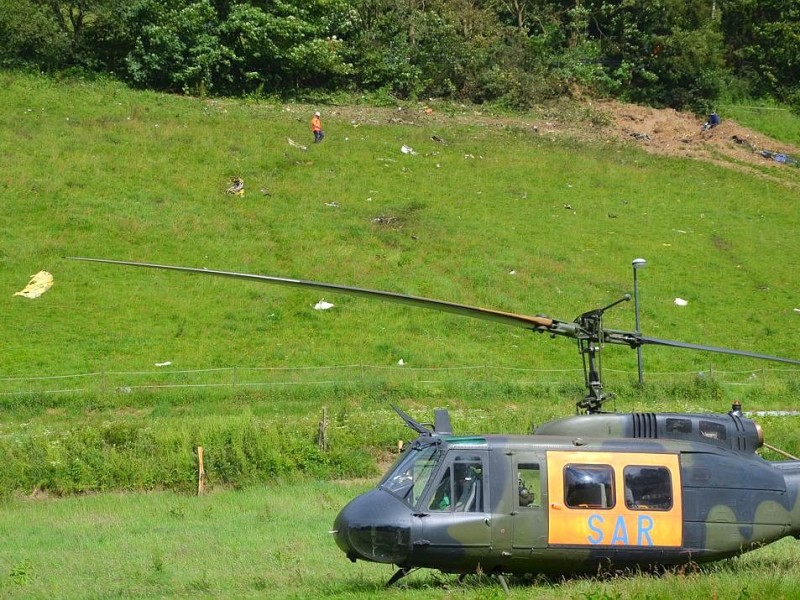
(316, 127)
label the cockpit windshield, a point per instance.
(409, 477)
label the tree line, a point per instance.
(678, 53)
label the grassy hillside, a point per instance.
(487, 210)
(96, 170)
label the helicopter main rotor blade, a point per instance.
(536, 323)
(634, 340)
(674, 344)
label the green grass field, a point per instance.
(489, 213)
(273, 541)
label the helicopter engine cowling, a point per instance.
(375, 527)
(730, 430)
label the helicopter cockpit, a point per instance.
(458, 485)
(410, 476)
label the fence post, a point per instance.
(322, 434)
(201, 472)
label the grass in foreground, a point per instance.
(273, 541)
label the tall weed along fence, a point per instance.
(166, 377)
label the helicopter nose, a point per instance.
(374, 526)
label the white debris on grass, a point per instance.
(237, 186)
(38, 285)
(407, 150)
(401, 362)
(681, 302)
(323, 305)
(166, 363)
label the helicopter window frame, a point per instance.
(529, 485)
(648, 493)
(582, 480)
(441, 499)
(409, 478)
(460, 487)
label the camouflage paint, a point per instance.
(725, 501)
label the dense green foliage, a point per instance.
(511, 52)
(118, 455)
(764, 46)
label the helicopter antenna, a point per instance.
(418, 427)
(590, 344)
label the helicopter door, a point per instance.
(622, 499)
(451, 523)
(529, 513)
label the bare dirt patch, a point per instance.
(668, 132)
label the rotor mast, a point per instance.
(590, 343)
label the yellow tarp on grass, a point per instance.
(38, 285)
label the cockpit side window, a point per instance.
(589, 486)
(460, 488)
(442, 498)
(410, 476)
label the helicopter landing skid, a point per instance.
(401, 572)
(501, 578)
(497, 575)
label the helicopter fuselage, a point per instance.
(554, 502)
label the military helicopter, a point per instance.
(591, 491)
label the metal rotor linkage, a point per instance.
(590, 343)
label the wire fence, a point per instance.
(167, 378)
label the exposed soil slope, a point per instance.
(671, 133)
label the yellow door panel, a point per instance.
(605, 518)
